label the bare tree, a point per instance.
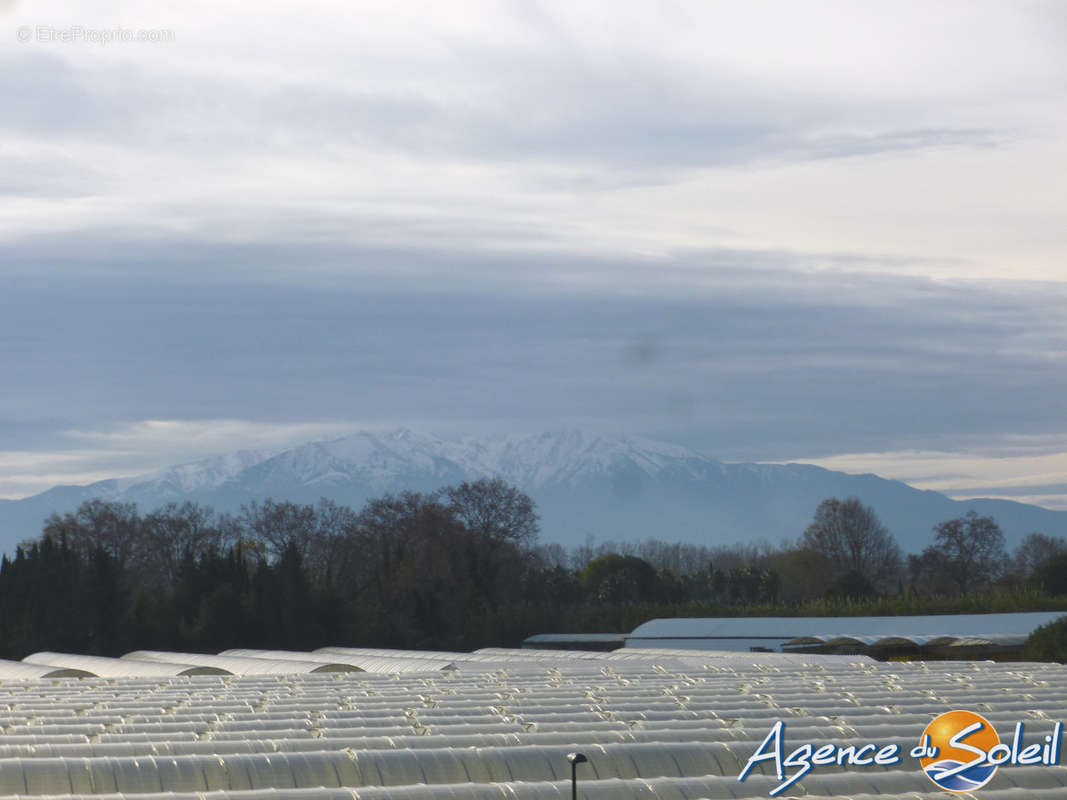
(1036, 549)
(172, 532)
(552, 554)
(495, 511)
(332, 550)
(852, 539)
(970, 550)
(116, 528)
(279, 525)
(387, 528)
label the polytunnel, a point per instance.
(20, 670)
(1001, 639)
(379, 664)
(539, 653)
(427, 655)
(240, 665)
(648, 732)
(435, 655)
(722, 657)
(742, 633)
(103, 667)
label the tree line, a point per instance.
(459, 569)
(968, 554)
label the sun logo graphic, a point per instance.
(960, 751)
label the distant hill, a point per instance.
(621, 488)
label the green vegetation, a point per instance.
(461, 569)
(1048, 643)
(1051, 575)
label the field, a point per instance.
(500, 724)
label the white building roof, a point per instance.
(787, 628)
(103, 667)
(381, 664)
(652, 725)
(238, 665)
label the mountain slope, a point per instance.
(622, 488)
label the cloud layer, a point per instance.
(894, 130)
(771, 231)
(792, 366)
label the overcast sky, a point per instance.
(831, 232)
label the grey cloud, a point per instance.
(45, 97)
(837, 146)
(638, 117)
(50, 175)
(778, 363)
(643, 118)
(995, 490)
(40, 93)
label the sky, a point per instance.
(828, 232)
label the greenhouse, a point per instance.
(381, 664)
(120, 667)
(824, 634)
(661, 725)
(22, 669)
(239, 665)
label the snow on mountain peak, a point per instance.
(382, 459)
(565, 456)
(207, 473)
(526, 460)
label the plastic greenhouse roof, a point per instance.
(431, 655)
(103, 667)
(668, 725)
(576, 637)
(647, 732)
(22, 670)
(380, 664)
(238, 665)
(795, 627)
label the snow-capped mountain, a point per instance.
(389, 461)
(610, 487)
(206, 474)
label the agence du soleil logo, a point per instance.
(959, 751)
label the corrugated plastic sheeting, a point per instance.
(463, 662)
(576, 638)
(20, 670)
(688, 789)
(672, 657)
(649, 655)
(631, 720)
(449, 739)
(539, 654)
(103, 667)
(999, 640)
(379, 664)
(867, 641)
(792, 627)
(431, 655)
(917, 640)
(734, 657)
(537, 763)
(242, 666)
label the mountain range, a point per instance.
(610, 487)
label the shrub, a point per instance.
(853, 585)
(1049, 642)
(1051, 575)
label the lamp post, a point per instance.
(575, 759)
